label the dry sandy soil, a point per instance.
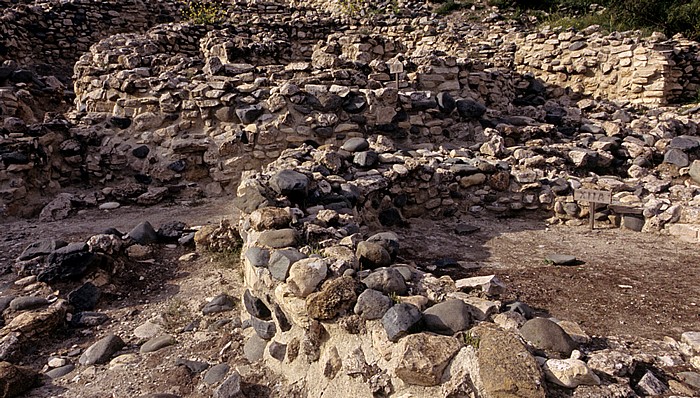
(658, 297)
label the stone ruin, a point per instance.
(292, 108)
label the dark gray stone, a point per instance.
(354, 103)
(448, 317)
(68, 263)
(546, 335)
(9, 158)
(256, 307)
(290, 183)
(685, 142)
(386, 280)
(5, 302)
(470, 109)
(57, 373)
(423, 103)
(372, 304)
(676, 157)
(41, 248)
(220, 303)
(400, 320)
(157, 343)
(249, 114)
(101, 351)
(577, 45)
(521, 308)
(355, 144)
(561, 259)
(85, 297)
(120, 122)
(28, 303)
(632, 222)
(141, 151)
(71, 248)
(178, 166)
(230, 388)
(194, 366)
(282, 320)
(171, 231)
(466, 229)
(144, 233)
(249, 198)
(365, 159)
(372, 255)
(446, 104)
(88, 319)
(254, 348)
(277, 350)
(257, 256)
(187, 239)
(281, 261)
(216, 374)
(265, 329)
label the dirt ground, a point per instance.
(628, 283)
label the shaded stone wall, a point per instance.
(56, 33)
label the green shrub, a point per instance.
(204, 12)
(668, 16)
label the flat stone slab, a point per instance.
(561, 259)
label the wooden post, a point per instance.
(396, 68)
(593, 197)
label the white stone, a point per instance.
(569, 373)
(692, 339)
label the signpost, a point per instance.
(396, 68)
(593, 197)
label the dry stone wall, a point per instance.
(55, 34)
(619, 66)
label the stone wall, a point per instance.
(619, 66)
(54, 34)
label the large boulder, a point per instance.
(546, 335)
(448, 317)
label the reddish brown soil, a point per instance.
(659, 275)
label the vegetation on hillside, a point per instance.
(204, 12)
(667, 16)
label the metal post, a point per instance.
(591, 214)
